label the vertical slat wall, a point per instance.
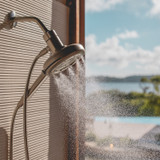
(60, 20)
(18, 47)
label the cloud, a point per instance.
(111, 54)
(128, 34)
(156, 7)
(101, 5)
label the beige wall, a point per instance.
(18, 47)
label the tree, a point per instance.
(143, 84)
(155, 80)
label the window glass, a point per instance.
(122, 80)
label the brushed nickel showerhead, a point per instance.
(63, 58)
(56, 63)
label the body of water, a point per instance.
(137, 120)
(124, 87)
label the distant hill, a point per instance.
(115, 79)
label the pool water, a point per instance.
(138, 120)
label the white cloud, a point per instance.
(101, 5)
(128, 34)
(156, 7)
(111, 54)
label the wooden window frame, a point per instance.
(76, 35)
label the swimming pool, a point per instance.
(139, 120)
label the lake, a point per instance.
(124, 87)
(137, 120)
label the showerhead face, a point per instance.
(63, 59)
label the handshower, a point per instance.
(62, 56)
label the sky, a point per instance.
(122, 37)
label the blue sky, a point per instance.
(122, 37)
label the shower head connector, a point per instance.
(9, 22)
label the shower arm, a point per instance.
(11, 20)
(50, 36)
(31, 19)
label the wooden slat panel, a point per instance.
(18, 48)
(61, 23)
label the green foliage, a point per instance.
(143, 84)
(126, 104)
(144, 80)
(151, 106)
(136, 95)
(155, 80)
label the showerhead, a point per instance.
(63, 58)
(56, 63)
